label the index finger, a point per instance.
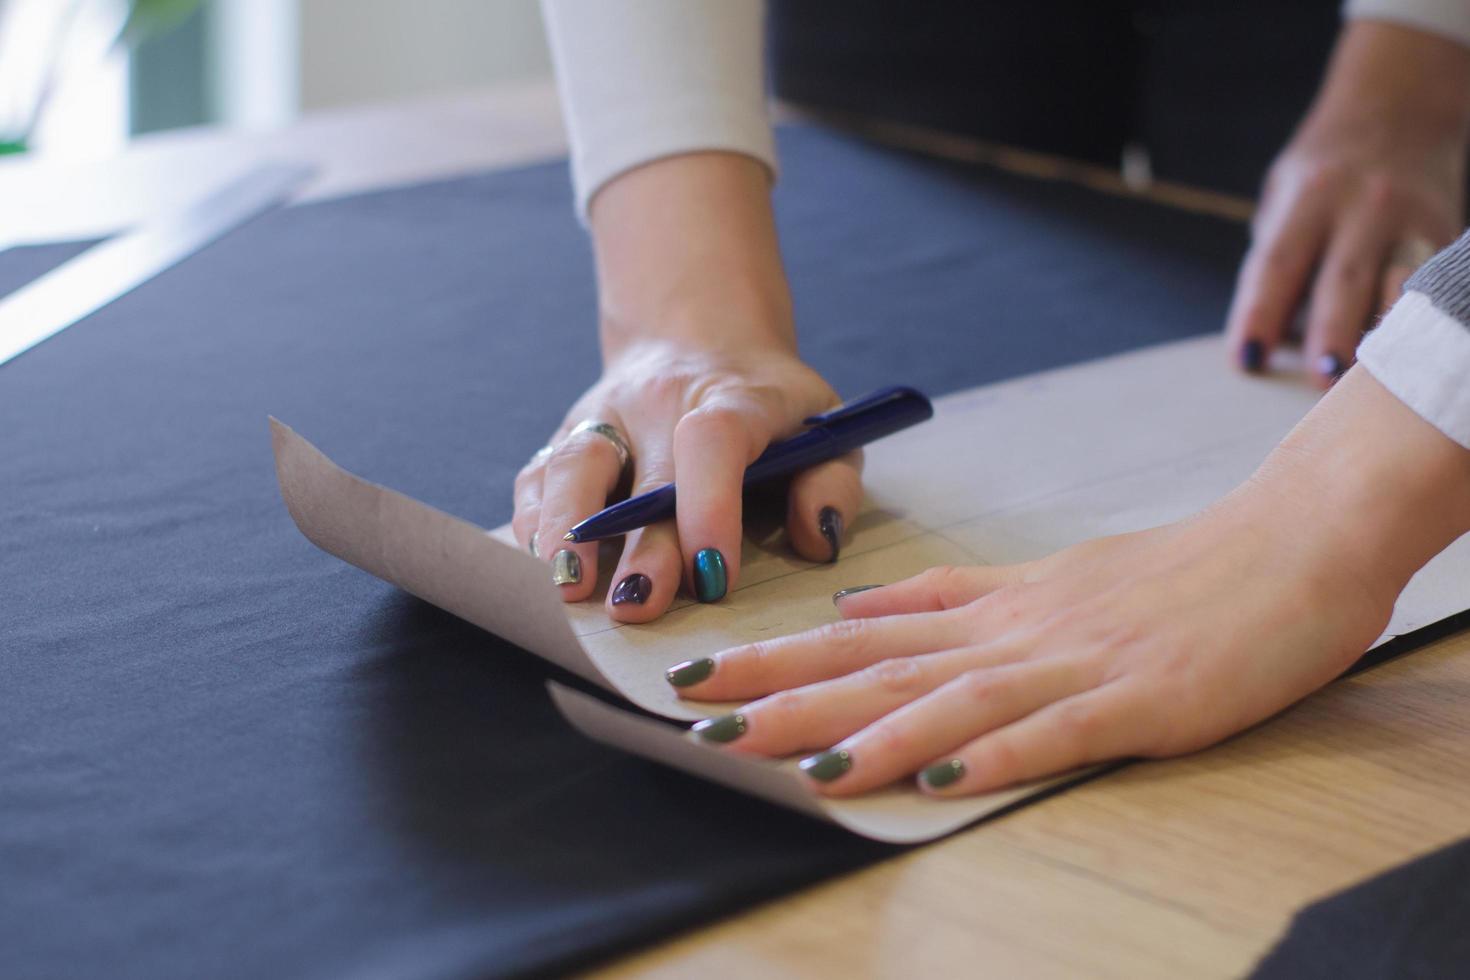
(1273, 278)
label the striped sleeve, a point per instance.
(1421, 350)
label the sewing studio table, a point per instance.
(1187, 867)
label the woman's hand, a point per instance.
(700, 374)
(702, 414)
(1147, 644)
(1371, 186)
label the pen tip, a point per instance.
(570, 536)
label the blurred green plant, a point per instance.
(144, 19)
(149, 18)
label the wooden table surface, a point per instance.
(1187, 867)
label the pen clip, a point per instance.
(865, 404)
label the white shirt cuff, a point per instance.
(1422, 355)
(1447, 18)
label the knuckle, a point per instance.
(888, 740)
(1002, 759)
(946, 582)
(977, 687)
(848, 633)
(784, 711)
(1271, 255)
(1078, 726)
(665, 387)
(761, 660)
(1380, 191)
(1349, 272)
(1321, 176)
(712, 423)
(900, 675)
(1005, 607)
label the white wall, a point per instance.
(373, 50)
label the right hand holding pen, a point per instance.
(698, 415)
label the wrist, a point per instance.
(1364, 488)
(687, 253)
(1401, 79)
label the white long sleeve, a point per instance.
(1421, 350)
(645, 79)
(1449, 18)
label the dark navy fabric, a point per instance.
(1409, 923)
(224, 753)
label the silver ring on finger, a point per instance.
(606, 431)
(1411, 253)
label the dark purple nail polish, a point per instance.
(1253, 355)
(1329, 365)
(636, 588)
(829, 522)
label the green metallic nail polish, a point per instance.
(827, 766)
(726, 728)
(566, 568)
(841, 594)
(690, 672)
(941, 775)
(709, 575)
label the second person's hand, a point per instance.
(700, 374)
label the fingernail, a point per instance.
(690, 672)
(1329, 365)
(566, 568)
(709, 575)
(1253, 355)
(827, 766)
(532, 548)
(829, 522)
(940, 776)
(635, 589)
(841, 594)
(726, 728)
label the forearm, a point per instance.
(687, 252)
(1364, 483)
(1397, 85)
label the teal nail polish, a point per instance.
(726, 728)
(827, 766)
(709, 575)
(841, 594)
(690, 672)
(941, 775)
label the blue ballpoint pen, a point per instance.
(829, 435)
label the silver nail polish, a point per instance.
(566, 568)
(532, 548)
(841, 594)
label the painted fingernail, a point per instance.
(566, 568)
(841, 594)
(709, 575)
(827, 766)
(635, 589)
(1253, 355)
(726, 728)
(829, 522)
(1329, 365)
(532, 548)
(690, 672)
(940, 776)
